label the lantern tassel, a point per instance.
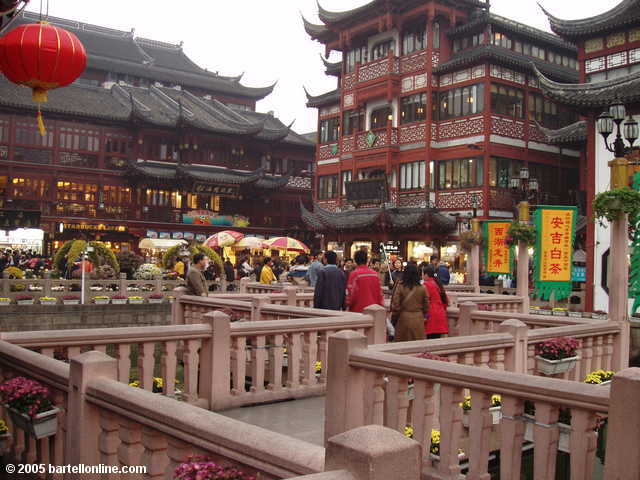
(41, 127)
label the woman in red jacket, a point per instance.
(436, 323)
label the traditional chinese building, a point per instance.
(147, 143)
(609, 62)
(440, 99)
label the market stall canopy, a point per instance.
(160, 243)
(286, 243)
(252, 243)
(225, 238)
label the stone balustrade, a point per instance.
(224, 364)
(369, 386)
(58, 288)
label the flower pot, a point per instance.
(4, 302)
(156, 300)
(564, 430)
(5, 443)
(24, 302)
(546, 312)
(586, 314)
(119, 301)
(43, 425)
(71, 302)
(559, 313)
(48, 302)
(534, 311)
(555, 367)
(575, 314)
(599, 316)
(101, 301)
(136, 301)
(496, 416)
(608, 382)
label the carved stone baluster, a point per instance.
(100, 348)
(73, 352)
(598, 353)
(47, 352)
(31, 452)
(309, 356)
(155, 453)
(391, 403)
(531, 359)
(258, 363)
(124, 362)
(485, 357)
(238, 364)
(146, 363)
(18, 443)
(497, 361)
(44, 448)
(109, 442)
(511, 437)
(403, 403)
(378, 400)
(545, 437)
(168, 366)
(583, 443)
(191, 360)
(453, 358)
(423, 413)
(469, 359)
(480, 425)
(130, 449)
(608, 356)
(59, 400)
(276, 357)
(178, 453)
(294, 354)
(450, 430)
(586, 361)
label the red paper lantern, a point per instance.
(41, 57)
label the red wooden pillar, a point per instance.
(486, 204)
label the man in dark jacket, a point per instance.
(331, 285)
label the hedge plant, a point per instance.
(171, 255)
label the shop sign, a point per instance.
(498, 255)
(189, 236)
(200, 238)
(164, 235)
(556, 228)
(579, 274)
(97, 228)
(152, 234)
(207, 217)
(220, 190)
(177, 235)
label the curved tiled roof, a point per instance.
(477, 23)
(625, 13)
(508, 58)
(595, 95)
(121, 52)
(172, 172)
(574, 133)
(331, 97)
(427, 218)
(332, 68)
(315, 31)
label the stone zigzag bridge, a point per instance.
(372, 391)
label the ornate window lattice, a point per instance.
(594, 65)
(507, 128)
(634, 55)
(413, 63)
(413, 133)
(616, 59)
(460, 128)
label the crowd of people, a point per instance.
(24, 260)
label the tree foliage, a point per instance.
(171, 255)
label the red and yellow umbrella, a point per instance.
(225, 238)
(251, 243)
(286, 243)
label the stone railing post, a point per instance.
(374, 452)
(243, 284)
(619, 290)
(345, 385)
(465, 322)
(157, 283)
(377, 334)
(82, 440)
(623, 436)
(177, 308)
(522, 282)
(257, 304)
(292, 296)
(122, 285)
(215, 362)
(474, 268)
(516, 358)
(46, 284)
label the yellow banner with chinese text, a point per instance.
(556, 253)
(497, 252)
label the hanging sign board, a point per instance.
(498, 255)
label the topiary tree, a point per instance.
(171, 255)
(129, 262)
(72, 250)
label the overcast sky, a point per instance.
(266, 39)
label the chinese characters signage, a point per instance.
(497, 252)
(554, 252)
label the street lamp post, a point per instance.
(619, 247)
(85, 255)
(525, 188)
